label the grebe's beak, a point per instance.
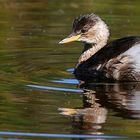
(70, 38)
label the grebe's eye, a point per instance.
(83, 30)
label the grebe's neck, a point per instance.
(89, 50)
(100, 39)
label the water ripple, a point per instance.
(59, 135)
(71, 70)
(66, 81)
(55, 88)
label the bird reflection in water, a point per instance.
(90, 116)
(98, 100)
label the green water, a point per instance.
(30, 55)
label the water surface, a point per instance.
(38, 93)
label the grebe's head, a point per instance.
(89, 29)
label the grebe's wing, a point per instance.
(115, 48)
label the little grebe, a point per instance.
(118, 60)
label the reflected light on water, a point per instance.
(66, 81)
(55, 88)
(58, 135)
(70, 70)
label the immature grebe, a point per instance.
(118, 60)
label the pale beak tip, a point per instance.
(61, 42)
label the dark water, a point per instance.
(38, 94)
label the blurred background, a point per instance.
(37, 89)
